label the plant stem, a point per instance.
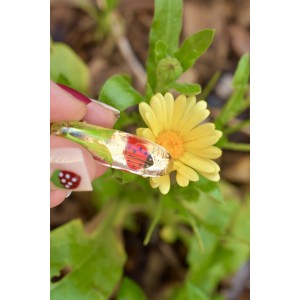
(236, 146)
(210, 85)
(236, 127)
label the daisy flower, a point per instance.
(176, 126)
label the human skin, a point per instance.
(66, 107)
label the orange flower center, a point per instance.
(172, 142)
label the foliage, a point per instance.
(208, 218)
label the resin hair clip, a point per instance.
(117, 149)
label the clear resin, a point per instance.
(117, 149)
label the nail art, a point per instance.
(87, 100)
(117, 149)
(75, 93)
(65, 179)
(68, 170)
(106, 106)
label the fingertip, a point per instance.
(98, 115)
(57, 197)
(64, 106)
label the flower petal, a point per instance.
(179, 107)
(181, 180)
(211, 176)
(211, 152)
(164, 185)
(169, 101)
(146, 133)
(198, 163)
(200, 131)
(194, 120)
(201, 143)
(187, 172)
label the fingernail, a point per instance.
(87, 100)
(68, 194)
(75, 93)
(68, 170)
(106, 106)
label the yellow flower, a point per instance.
(175, 125)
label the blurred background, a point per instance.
(120, 45)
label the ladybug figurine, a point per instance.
(136, 155)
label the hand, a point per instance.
(67, 104)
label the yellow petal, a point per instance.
(179, 106)
(143, 108)
(146, 133)
(187, 172)
(202, 104)
(181, 180)
(200, 131)
(211, 176)
(193, 121)
(153, 124)
(169, 102)
(164, 184)
(211, 152)
(158, 110)
(153, 183)
(139, 131)
(202, 142)
(198, 163)
(188, 111)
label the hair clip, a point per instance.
(117, 149)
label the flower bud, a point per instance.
(168, 69)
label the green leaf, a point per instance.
(193, 47)
(67, 67)
(188, 89)
(123, 177)
(160, 51)
(194, 293)
(94, 263)
(211, 188)
(189, 292)
(118, 92)
(129, 290)
(165, 28)
(112, 4)
(242, 73)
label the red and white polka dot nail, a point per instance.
(68, 170)
(65, 179)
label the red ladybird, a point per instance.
(136, 155)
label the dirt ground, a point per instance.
(101, 50)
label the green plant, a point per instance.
(208, 218)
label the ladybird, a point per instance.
(136, 155)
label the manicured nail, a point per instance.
(106, 106)
(68, 194)
(75, 93)
(68, 170)
(87, 100)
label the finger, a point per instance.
(63, 106)
(69, 161)
(57, 197)
(97, 113)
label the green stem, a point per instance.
(236, 127)
(236, 146)
(210, 85)
(154, 222)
